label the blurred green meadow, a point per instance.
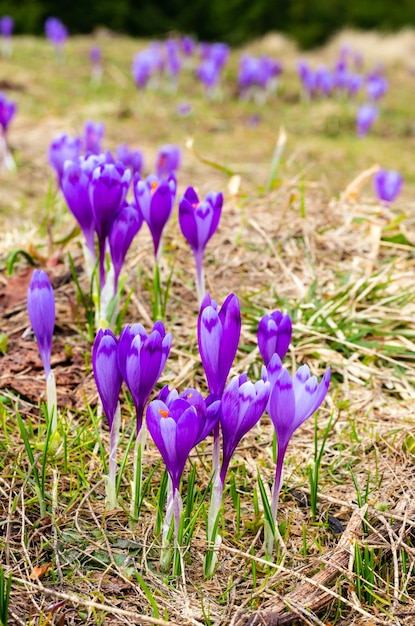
(322, 147)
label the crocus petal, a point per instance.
(210, 339)
(126, 224)
(282, 408)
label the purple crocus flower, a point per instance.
(366, 116)
(207, 410)
(131, 158)
(108, 189)
(126, 224)
(188, 45)
(209, 74)
(93, 135)
(6, 30)
(75, 188)
(95, 55)
(173, 62)
(7, 111)
(218, 335)
(219, 54)
(184, 109)
(6, 26)
(324, 80)
(56, 32)
(109, 380)
(41, 310)
(376, 87)
(198, 222)
(167, 160)
(291, 402)
(174, 429)
(243, 403)
(141, 359)
(155, 199)
(63, 148)
(106, 372)
(274, 335)
(145, 64)
(387, 184)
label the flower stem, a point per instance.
(271, 537)
(112, 474)
(157, 304)
(137, 481)
(200, 276)
(52, 402)
(213, 537)
(166, 552)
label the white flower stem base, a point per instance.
(111, 486)
(140, 443)
(214, 538)
(52, 402)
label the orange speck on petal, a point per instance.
(190, 395)
(163, 413)
(154, 186)
(195, 205)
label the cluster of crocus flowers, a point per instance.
(178, 423)
(138, 359)
(257, 76)
(292, 400)
(95, 189)
(387, 185)
(7, 112)
(41, 310)
(198, 223)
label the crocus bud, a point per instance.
(126, 224)
(218, 336)
(106, 372)
(274, 335)
(41, 310)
